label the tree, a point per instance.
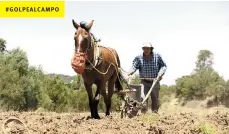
(13, 79)
(2, 45)
(204, 60)
(204, 82)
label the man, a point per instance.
(150, 65)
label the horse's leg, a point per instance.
(100, 87)
(111, 83)
(104, 94)
(96, 102)
(90, 97)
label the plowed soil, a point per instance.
(169, 121)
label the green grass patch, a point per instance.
(205, 128)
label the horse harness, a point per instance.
(97, 54)
(98, 57)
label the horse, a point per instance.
(97, 65)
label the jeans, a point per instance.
(154, 95)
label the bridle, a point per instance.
(89, 47)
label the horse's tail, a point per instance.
(118, 84)
(120, 79)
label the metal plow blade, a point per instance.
(132, 108)
(131, 104)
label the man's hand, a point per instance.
(159, 76)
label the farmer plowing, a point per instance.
(98, 64)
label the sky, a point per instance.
(178, 31)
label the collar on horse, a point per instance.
(97, 54)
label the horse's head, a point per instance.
(83, 44)
(82, 37)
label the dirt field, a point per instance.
(171, 120)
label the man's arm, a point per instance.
(163, 66)
(135, 66)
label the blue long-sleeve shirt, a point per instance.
(149, 68)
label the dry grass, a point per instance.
(205, 128)
(149, 118)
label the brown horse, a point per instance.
(99, 65)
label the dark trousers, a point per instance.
(154, 94)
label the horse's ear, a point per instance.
(89, 25)
(75, 24)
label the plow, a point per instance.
(133, 99)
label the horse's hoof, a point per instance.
(97, 117)
(107, 113)
(89, 117)
(109, 116)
